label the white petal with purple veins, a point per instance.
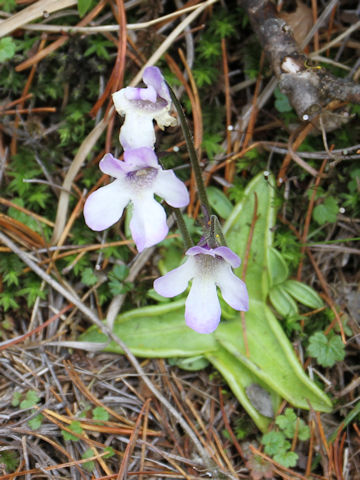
(148, 223)
(202, 307)
(104, 207)
(171, 189)
(176, 281)
(233, 289)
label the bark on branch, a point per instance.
(308, 88)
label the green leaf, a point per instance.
(192, 364)
(278, 269)
(303, 293)
(237, 227)
(288, 459)
(157, 331)
(110, 452)
(7, 301)
(289, 423)
(83, 6)
(326, 212)
(10, 459)
(282, 301)
(326, 350)
(7, 48)
(16, 399)
(271, 360)
(219, 202)
(274, 442)
(31, 399)
(89, 466)
(88, 277)
(100, 414)
(75, 426)
(239, 377)
(36, 422)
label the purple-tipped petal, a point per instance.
(148, 94)
(139, 158)
(148, 223)
(105, 206)
(202, 307)
(153, 77)
(176, 281)
(199, 251)
(228, 255)
(171, 189)
(112, 166)
(233, 289)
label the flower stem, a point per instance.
(190, 146)
(188, 243)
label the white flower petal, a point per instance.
(112, 166)
(105, 206)
(148, 223)
(171, 189)
(233, 289)
(176, 281)
(202, 307)
(137, 131)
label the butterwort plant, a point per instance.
(137, 178)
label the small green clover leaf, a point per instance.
(289, 423)
(278, 447)
(31, 399)
(100, 414)
(326, 350)
(36, 422)
(286, 458)
(75, 426)
(16, 399)
(274, 442)
(7, 48)
(326, 212)
(89, 466)
(110, 452)
(88, 277)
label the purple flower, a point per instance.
(138, 178)
(208, 269)
(140, 107)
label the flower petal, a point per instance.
(228, 255)
(139, 158)
(153, 77)
(148, 223)
(137, 131)
(132, 93)
(202, 307)
(175, 282)
(105, 206)
(171, 189)
(112, 166)
(233, 289)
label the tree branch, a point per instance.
(308, 88)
